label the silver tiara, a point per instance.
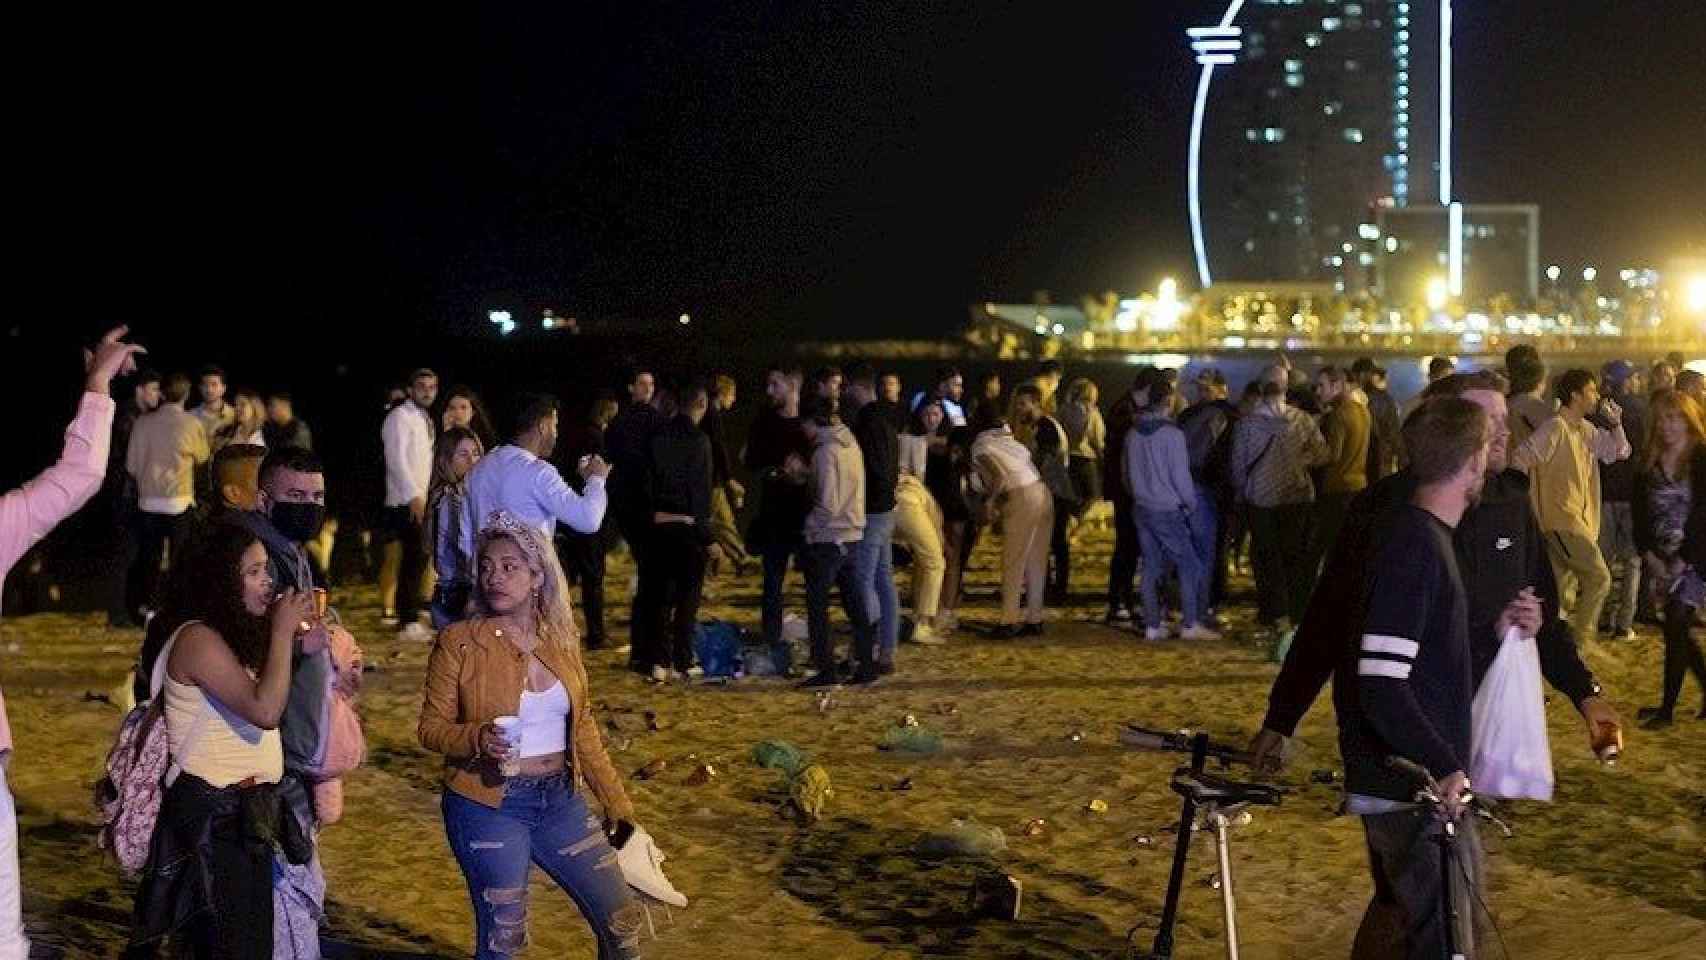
(502, 523)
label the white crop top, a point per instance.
(544, 721)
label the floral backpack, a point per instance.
(140, 769)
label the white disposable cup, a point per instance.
(510, 728)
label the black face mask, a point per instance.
(299, 522)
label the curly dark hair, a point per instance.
(211, 590)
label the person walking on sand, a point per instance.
(1670, 529)
(509, 706)
(1562, 460)
(28, 514)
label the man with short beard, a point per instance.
(777, 452)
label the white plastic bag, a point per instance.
(1510, 755)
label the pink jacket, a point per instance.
(29, 512)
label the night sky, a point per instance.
(816, 169)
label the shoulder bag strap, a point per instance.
(157, 683)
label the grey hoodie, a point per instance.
(1272, 454)
(838, 488)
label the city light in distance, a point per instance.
(1694, 294)
(1589, 274)
(1439, 292)
(502, 320)
(1554, 272)
(685, 320)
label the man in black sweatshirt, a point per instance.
(627, 444)
(1501, 560)
(672, 567)
(1411, 693)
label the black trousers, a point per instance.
(1404, 917)
(1682, 654)
(1122, 569)
(398, 526)
(1060, 548)
(1330, 511)
(583, 559)
(634, 523)
(672, 577)
(1280, 544)
(153, 532)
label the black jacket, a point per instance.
(716, 430)
(681, 473)
(782, 502)
(628, 444)
(1499, 550)
(873, 427)
(1617, 480)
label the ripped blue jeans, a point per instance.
(541, 821)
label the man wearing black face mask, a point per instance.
(292, 507)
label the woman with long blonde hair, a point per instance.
(507, 703)
(1670, 532)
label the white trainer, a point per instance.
(1198, 633)
(1154, 633)
(662, 674)
(926, 635)
(415, 633)
(642, 866)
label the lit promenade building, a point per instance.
(1311, 116)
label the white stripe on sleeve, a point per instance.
(1367, 667)
(1379, 643)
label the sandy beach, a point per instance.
(1615, 867)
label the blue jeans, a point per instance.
(876, 575)
(1168, 544)
(1205, 536)
(541, 821)
(835, 565)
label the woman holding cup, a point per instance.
(508, 706)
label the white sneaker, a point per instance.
(662, 674)
(925, 635)
(642, 866)
(1154, 633)
(1199, 633)
(415, 633)
(695, 673)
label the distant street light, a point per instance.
(1694, 294)
(1554, 272)
(1589, 274)
(1439, 293)
(685, 320)
(501, 319)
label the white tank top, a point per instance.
(228, 749)
(544, 721)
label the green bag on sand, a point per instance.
(911, 739)
(780, 755)
(810, 791)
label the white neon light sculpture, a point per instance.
(1194, 175)
(1445, 102)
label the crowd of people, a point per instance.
(1564, 506)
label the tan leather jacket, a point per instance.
(475, 675)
